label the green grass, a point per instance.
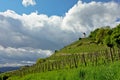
(91, 72)
(102, 72)
(85, 45)
(80, 73)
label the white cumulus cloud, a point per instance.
(28, 2)
(10, 56)
(84, 17)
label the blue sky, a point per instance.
(32, 29)
(54, 7)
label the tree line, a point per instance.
(106, 35)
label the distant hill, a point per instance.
(5, 69)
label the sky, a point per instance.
(54, 7)
(32, 29)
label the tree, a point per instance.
(116, 36)
(40, 61)
(109, 43)
(107, 38)
(116, 39)
(93, 33)
(100, 35)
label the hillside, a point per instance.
(84, 45)
(100, 48)
(5, 69)
(102, 72)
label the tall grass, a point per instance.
(103, 72)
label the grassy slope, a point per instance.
(81, 46)
(103, 72)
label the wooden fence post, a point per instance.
(96, 58)
(119, 54)
(75, 61)
(84, 60)
(111, 54)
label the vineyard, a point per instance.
(94, 50)
(70, 61)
